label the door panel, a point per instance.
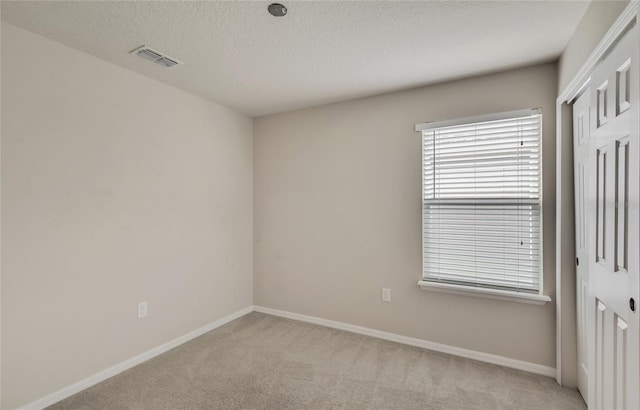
(612, 207)
(620, 372)
(581, 140)
(622, 192)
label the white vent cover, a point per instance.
(155, 56)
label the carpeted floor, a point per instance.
(265, 362)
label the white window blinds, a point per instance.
(481, 203)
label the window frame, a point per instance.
(469, 289)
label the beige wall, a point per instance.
(596, 21)
(337, 215)
(116, 189)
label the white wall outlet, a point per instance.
(142, 309)
(386, 295)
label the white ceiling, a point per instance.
(238, 55)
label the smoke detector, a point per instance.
(154, 56)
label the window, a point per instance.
(481, 202)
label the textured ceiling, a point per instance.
(237, 55)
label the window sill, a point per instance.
(485, 293)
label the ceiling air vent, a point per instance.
(155, 57)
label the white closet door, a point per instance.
(614, 217)
(584, 308)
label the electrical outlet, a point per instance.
(142, 309)
(386, 295)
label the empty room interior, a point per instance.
(319, 205)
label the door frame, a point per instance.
(565, 229)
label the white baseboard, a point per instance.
(127, 364)
(412, 341)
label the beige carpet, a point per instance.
(265, 362)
